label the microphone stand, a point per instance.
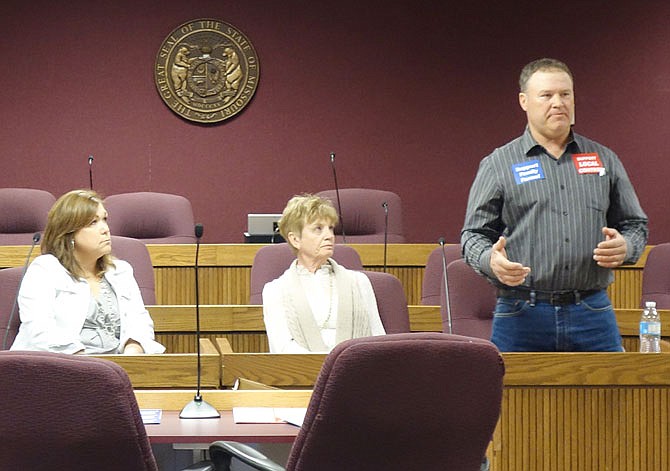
(90, 171)
(198, 408)
(446, 284)
(385, 205)
(36, 238)
(337, 194)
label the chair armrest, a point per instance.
(221, 453)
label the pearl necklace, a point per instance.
(331, 277)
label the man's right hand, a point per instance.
(508, 273)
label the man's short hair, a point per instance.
(544, 64)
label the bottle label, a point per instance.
(650, 328)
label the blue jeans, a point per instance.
(589, 326)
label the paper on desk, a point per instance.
(151, 416)
(269, 415)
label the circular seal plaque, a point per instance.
(206, 71)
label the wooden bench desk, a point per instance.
(171, 370)
(172, 429)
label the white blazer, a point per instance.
(53, 307)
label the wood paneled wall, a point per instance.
(226, 271)
(583, 412)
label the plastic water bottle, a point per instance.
(650, 329)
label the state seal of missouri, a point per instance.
(206, 70)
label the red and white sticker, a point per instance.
(588, 163)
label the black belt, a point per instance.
(557, 298)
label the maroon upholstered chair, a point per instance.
(69, 412)
(433, 275)
(10, 279)
(418, 401)
(391, 301)
(472, 300)
(656, 277)
(364, 216)
(153, 218)
(23, 212)
(271, 261)
(135, 252)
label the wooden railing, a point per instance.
(243, 326)
(172, 370)
(226, 270)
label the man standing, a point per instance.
(549, 215)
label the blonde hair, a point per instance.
(71, 212)
(305, 209)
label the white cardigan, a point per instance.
(53, 308)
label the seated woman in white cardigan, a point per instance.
(76, 297)
(316, 303)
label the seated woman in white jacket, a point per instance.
(316, 303)
(76, 297)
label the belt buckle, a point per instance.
(566, 297)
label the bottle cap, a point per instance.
(650, 304)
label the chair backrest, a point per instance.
(10, 279)
(23, 211)
(271, 261)
(391, 301)
(136, 253)
(153, 218)
(433, 275)
(364, 216)
(69, 412)
(403, 401)
(656, 277)
(472, 300)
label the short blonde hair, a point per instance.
(71, 212)
(305, 209)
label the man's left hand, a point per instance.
(611, 252)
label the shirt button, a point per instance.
(567, 239)
(562, 187)
(565, 213)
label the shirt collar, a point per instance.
(326, 268)
(532, 148)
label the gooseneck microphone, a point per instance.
(337, 194)
(90, 171)
(36, 238)
(385, 205)
(446, 284)
(198, 408)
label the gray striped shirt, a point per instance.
(550, 214)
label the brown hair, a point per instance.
(305, 209)
(71, 212)
(544, 64)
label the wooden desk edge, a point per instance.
(222, 399)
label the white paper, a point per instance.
(269, 415)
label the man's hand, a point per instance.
(509, 273)
(611, 252)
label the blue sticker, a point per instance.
(527, 171)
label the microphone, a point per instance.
(198, 408)
(337, 193)
(36, 238)
(446, 284)
(90, 171)
(385, 205)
